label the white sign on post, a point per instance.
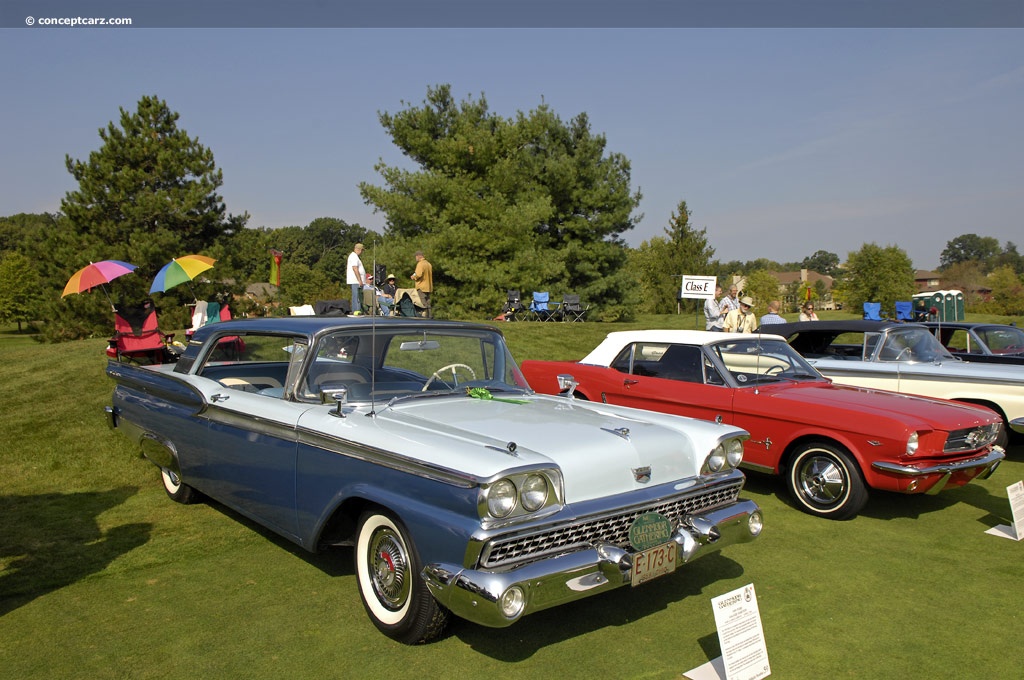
(1015, 532)
(700, 287)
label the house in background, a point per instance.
(800, 281)
(927, 281)
(793, 287)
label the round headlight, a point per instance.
(501, 499)
(716, 461)
(534, 494)
(912, 444)
(734, 452)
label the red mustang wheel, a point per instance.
(825, 481)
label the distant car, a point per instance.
(420, 443)
(981, 342)
(906, 358)
(830, 442)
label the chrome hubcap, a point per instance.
(389, 569)
(822, 480)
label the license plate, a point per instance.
(653, 562)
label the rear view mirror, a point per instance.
(419, 345)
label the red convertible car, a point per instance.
(830, 442)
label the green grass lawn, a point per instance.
(101, 576)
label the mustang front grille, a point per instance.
(614, 529)
(971, 438)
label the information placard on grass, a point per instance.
(741, 637)
(1015, 492)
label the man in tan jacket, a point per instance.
(424, 278)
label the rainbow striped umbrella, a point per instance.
(180, 270)
(97, 274)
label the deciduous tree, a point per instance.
(969, 247)
(19, 290)
(763, 287)
(822, 262)
(877, 274)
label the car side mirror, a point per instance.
(567, 384)
(339, 395)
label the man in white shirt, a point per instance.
(356, 276)
(714, 314)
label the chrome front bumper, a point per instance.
(475, 594)
(987, 462)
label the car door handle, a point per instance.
(219, 397)
(627, 382)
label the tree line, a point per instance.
(531, 202)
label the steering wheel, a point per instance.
(777, 369)
(455, 377)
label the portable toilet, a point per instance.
(953, 302)
(924, 302)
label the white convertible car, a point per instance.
(906, 357)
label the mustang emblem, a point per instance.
(642, 474)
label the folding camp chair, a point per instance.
(539, 310)
(513, 309)
(138, 338)
(572, 309)
(409, 302)
(372, 304)
(873, 311)
(904, 311)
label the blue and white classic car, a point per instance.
(420, 444)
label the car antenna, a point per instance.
(373, 335)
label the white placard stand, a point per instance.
(744, 654)
(1015, 532)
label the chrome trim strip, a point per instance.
(388, 459)
(767, 469)
(337, 445)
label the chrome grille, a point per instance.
(614, 529)
(971, 438)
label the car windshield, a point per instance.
(1002, 339)
(380, 365)
(753, 361)
(912, 344)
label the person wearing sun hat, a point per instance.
(741, 320)
(390, 287)
(386, 295)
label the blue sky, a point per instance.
(782, 142)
